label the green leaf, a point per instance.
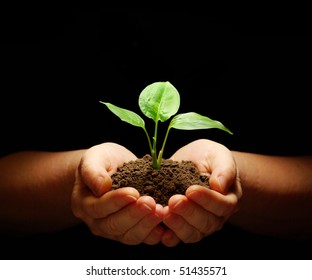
(192, 121)
(125, 115)
(159, 101)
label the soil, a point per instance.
(173, 177)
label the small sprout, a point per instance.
(159, 101)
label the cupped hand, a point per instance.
(122, 215)
(203, 211)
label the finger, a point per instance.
(121, 221)
(145, 230)
(100, 162)
(213, 158)
(169, 238)
(223, 169)
(86, 205)
(154, 237)
(93, 171)
(110, 203)
(212, 201)
(193, 214)
(183, 230)
(223, 172)
(157, 232)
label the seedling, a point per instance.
(159, 101)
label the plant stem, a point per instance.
(156, 164)
(161, 152)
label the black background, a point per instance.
(252, 74)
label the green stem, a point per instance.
(156, 165)
(161, 152)
(149, 141)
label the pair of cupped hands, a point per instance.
(125, 216)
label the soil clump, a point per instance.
(173, 177)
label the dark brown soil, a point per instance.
(172, 178)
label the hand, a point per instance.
(122, 214)
(202, 211)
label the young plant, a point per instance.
(160, 101)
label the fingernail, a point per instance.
(130, 198)
(146, 208)
(221, 183)
(179, 205)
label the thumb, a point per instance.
(96, 178)
(99, 162)
(102, 183)
(222, 180)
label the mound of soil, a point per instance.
(173, 177)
